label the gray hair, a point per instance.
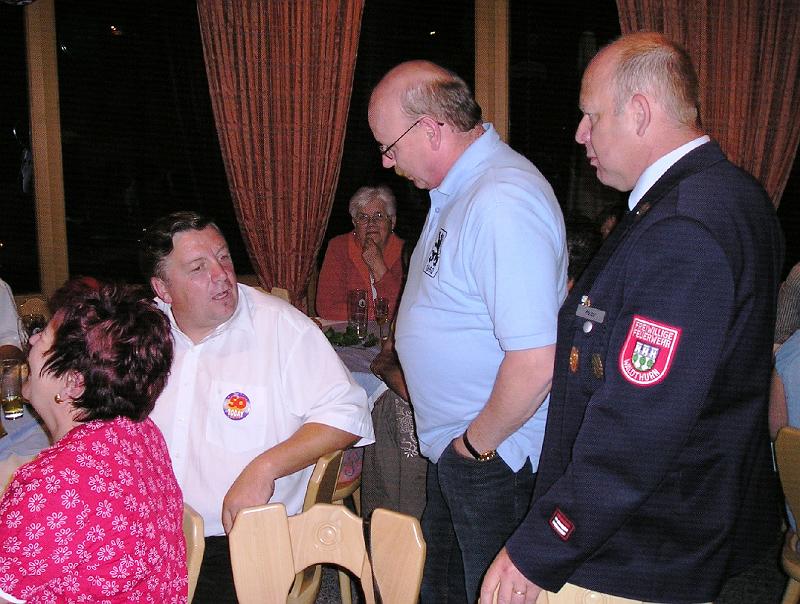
(366, 194)
(445, 97)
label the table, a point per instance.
(393, 473)
(26, 437)
(358, 359)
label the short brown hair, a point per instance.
(156, 243)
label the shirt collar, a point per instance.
(657, 169)
(465, 164)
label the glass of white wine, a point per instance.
(11, 388)
(381, 314)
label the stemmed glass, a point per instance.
(381, 314)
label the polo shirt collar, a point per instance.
(465, 165)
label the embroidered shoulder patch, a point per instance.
(648, 351)
(561, 525)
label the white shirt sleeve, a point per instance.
(9, 319)
(10, 598)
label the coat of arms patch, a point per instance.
(648, 351)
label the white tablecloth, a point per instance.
(357, 359)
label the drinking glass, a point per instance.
(11, 388)
(357, 312)
(381, 314)
(31, 324)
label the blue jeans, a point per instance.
(472, 509)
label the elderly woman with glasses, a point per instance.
(368, 258)
(96, 517)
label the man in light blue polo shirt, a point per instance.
(476, 326)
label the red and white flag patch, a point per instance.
(561, 525)
(648, 351)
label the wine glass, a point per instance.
(381, 314)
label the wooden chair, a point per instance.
(348, 484)
(268, 548)
(33, 305)
(787, 454)
(195, 545)
(282, 293)
(326, 485)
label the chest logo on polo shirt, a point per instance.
(432, 265)
(648, 351)
(236, 406)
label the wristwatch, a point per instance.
(485, 456)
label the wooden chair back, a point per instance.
(282, 293)
(324, 486)
(268, 548)
(193, 530)
(787, 456)
(33, 305)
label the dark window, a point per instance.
(138, 132)
(393, 32)
(19, 261)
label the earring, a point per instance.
(57, 398)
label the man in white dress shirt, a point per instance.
(10, 345)
(256, 393)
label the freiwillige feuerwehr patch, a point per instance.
(648, 351)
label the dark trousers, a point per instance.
(472, 508)
(215, 583)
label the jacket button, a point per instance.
(587, 326)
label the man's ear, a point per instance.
(161, 289)
(433, 131)
(641, 113)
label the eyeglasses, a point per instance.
(362, 218)
(387, 151)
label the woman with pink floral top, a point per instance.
(96, 517)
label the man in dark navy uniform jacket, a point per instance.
(655, 482)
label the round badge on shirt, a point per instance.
(236, 406)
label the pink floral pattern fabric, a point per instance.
(97, 517)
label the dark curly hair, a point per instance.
(120, 344)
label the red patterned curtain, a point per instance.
(280, 73)
(747, 55)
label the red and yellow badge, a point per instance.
(648, 351)
(236, 406)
